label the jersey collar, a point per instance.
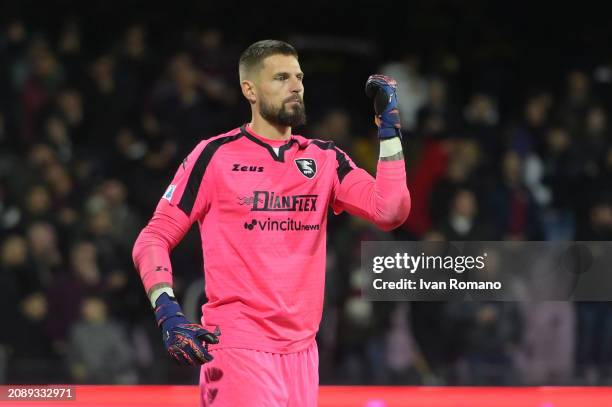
(283, 145)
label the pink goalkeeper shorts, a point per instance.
(244, 377)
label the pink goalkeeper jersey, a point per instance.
(261, 206)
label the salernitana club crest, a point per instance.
(307, 166)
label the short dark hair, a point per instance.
(257, 52)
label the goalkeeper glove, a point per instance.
(383, 89)
(187, 343)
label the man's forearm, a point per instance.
(151, 256)
(151, 253)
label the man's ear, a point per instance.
(248, 90)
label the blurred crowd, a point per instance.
(89, 141)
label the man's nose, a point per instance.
(297, 86)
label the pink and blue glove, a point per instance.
(383, 89)
(186, 342)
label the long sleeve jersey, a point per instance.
(261, 206)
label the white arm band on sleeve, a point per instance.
(390, 147)
(159, 291)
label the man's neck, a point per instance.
(269, 130)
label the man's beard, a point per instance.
(284, 116)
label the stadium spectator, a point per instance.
(112, 362)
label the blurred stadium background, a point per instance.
(506, 116)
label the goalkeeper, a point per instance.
(260, 195)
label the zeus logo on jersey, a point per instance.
(307, 166)
(247, 168)
(264, 201)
